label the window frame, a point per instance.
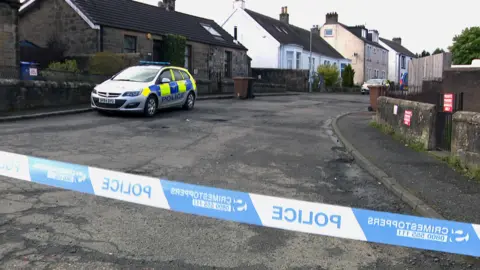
(129, 50)
(211, 30)
(188, 57)
(175, 76)
(228, 67)
(298, 60)
(328, 35)
(289, 59)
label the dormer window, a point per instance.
(364, 33)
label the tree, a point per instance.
(347, 76)
(437, 51)
(466, 46)
(329, 73)
(424, 53)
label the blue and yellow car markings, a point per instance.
(173, 88)
(182, 86)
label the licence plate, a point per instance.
(106, 101)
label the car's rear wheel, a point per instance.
(189, 102)
(151, 106)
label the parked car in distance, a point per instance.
(370, 82)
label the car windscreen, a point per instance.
(137, 74)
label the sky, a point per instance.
(422, 24)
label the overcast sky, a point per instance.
(422, 24)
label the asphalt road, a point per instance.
(278, 146)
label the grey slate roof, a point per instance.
(294, 35)
(136, 16)
(398, 47)
(357, 33)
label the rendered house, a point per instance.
(362, 46)
(275, 43)
(398, 58)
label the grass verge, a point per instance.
(416, 146)
(456, 164)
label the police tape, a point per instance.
(301, 216)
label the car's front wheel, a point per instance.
(150, 106)
(190, 102)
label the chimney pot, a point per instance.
(284, 17)
(397, 40)
(331, 18)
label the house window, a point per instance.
(383, 74)
(299, 58)
(228, 64)
(403, 61)
(211, 30)
(364, 33)
(376, 73)
(289, 60)
(188, 57)
(326, 62)
(342, 68)
(328, 32)
(129, 44)
(369, 52)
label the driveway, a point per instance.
(278, 146)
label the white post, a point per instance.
(310, 82)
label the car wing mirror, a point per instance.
(165, 80)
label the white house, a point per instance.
(398, 58)
(275, 43)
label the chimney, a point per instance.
(331, 18)
(284, 17)
(397, 40)
(169, 5)
(239, 4)
(315, 30)
(161, 4)
(235, 33)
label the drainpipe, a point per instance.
(101, 38)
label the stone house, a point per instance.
(8, 34)
(361, 45)
(130, 27)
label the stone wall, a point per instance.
(205, 87)
(466, 138)
(422, 122)
(18, 95)
(295, 80)
(8, 33)
(49, 19)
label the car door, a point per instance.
(178, 88)
(164, 81)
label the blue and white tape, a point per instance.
(274, 212)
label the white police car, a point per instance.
(146, 88)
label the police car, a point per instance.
(145, 88)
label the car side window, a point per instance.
(178, 75)
(185, 75)
(165, 74)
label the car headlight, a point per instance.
(131, 93)
(94, 91)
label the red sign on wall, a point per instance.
(448, 102)
(407, 117)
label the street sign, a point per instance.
(448, 102)
(407, 117)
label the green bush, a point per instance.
(105, 63)
(67, 66)
(175, 49)
(329, 73)
(347, 76)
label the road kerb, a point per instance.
(43, 115)
(390, 183)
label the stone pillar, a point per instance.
(9, 48)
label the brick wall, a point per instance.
(466, 81)
(47, 18)
(295, 80)
(8, 35)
